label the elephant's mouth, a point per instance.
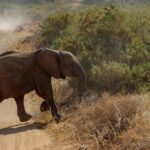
(62, 76)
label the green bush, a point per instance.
(118, 77)
(112, 43)
(52, 28)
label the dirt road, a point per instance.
(20, 136)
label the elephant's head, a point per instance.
(62, 64)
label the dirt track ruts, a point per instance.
(20, 136)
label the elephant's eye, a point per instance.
(71, 65)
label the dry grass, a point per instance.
(107, 122)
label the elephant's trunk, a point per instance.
(82, 81)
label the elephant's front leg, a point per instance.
(44, 90)
(23, 116)
(56, 116)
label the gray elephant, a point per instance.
(23, 73)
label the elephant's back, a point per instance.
(16, 63)
(16, 75)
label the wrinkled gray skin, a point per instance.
(23, 73)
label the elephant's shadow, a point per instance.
(22, 128)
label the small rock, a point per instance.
(83, 147)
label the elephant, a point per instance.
(21, 73)
(7, 53)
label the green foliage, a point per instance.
(112, 43)
(52, 28)
(118, 77)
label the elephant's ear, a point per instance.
(47, 60)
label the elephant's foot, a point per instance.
(25, 117)
(44, 106)
(57, 118)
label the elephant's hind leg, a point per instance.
(23, 116)
(44, 105)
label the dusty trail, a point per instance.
(13, 134)
(20, 136)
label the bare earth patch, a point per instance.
(20, 136)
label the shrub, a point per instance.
(52, 28)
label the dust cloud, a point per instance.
(10, 23)
(11, 18)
